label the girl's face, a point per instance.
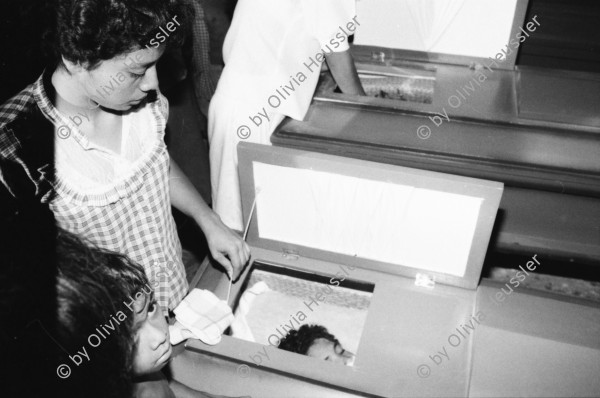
(152, 345)
(123, 82)
(330, 351)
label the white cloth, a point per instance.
(201, 315)
(271, 68)
(239, 327)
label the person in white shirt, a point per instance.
(273, 53)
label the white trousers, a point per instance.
(226, 115)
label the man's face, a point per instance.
(123, 82)
(152, 345)
(330, 351)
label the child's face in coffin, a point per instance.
(152, 345)
(330, 351)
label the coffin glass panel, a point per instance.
(398, 86)
(276, 300)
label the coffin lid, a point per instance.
(371, 215)
(445, 31)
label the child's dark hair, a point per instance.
(90, 31)
(93, 285)
(301, 340)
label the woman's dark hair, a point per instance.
(301, 340)
(93, 285)
(90, 31)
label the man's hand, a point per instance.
(226, 246)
